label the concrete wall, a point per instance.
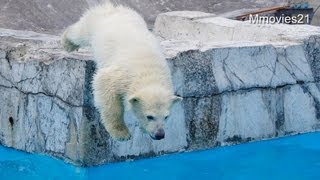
(235, 90)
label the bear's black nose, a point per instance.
(159, 135)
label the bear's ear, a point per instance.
(176, 99)
(134, 100)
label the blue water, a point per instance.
(296, 157)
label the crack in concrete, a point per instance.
(5, 78)
(248, 89)
(284, 54)
(290, 63)
(41, 93)
(224, 69)
(274, 68)
(306, 89)
(13, 85)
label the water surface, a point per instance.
(296, 157)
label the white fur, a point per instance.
(131, 67)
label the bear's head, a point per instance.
(152, 106)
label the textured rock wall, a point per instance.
(244, 81)
(239, 94)
(234, 91)
(206, 27)
(46, 105)
(316, 19)
(50, 16)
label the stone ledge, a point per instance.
(204, 69)
(183, 25)
(47, 95)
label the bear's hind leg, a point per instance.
(76, 35)
(67, 44)
(69, 39)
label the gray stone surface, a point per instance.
(49, 109)
(316, 19)
(40, 15)
(50, 16)
(234, 92)
(205, 27)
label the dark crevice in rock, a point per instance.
(88, 96)
(115, 158)
(202, 122)
(225, 67)
(273, 70)
(312, 53)
(41, 135)
(280, 117)
(40, 93)
(286, 133)
(316, 100)
(7, 58)
(195, 67)
(2, 138)
(238, 139)
(291, 64)
(15, 53)
(273, 103)
(240, 90)
(11, 121)
(97, 145)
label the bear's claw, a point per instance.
(123, 138)
(120, 134)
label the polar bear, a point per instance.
(131, 69)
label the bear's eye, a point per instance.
(166, 117)
(150, 117)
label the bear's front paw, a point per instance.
(120, 134)
(67, 44)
